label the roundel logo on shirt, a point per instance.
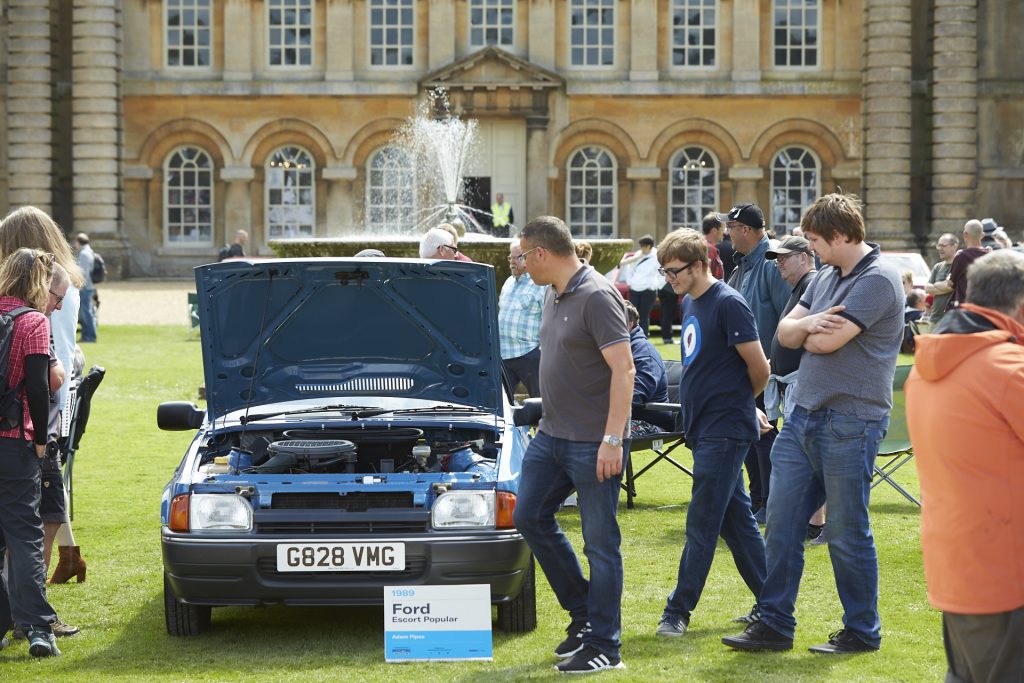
(691, 340)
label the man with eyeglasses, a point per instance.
(938, 282)
(438, 244)
(724, 367)
(519, 310)
(761, 284)
(586, 383)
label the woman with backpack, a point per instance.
(25, 278)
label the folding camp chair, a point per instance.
(193, 311)
(896, 448)
(79, 400)
(662, 443)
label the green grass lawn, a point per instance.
(125, 461)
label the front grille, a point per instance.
(415, 567)
(359, 501)
(334, 527)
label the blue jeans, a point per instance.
(719, 505)
(551, 469)
(87, 314)
(817, 456)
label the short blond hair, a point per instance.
(685, 245)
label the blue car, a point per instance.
(357, 435)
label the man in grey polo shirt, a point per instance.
(849, 323)
(586, 383)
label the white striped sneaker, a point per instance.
(589, 660)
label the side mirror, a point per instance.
(179, 416)
(528, 414)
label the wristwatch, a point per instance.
(612, 440)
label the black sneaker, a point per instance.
(573, 642)
(589, 660)
(750, 617)
(843, 642)
(759, 636)
(672, 627)
(42, 644)
(814, 531)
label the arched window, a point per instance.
(291, 193)
(693, 181)
(390, 192)
(795, 186)
(188, 197)
(591, 196)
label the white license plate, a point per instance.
(340, 557)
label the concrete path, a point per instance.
(144, 302)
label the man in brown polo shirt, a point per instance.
(586, 372)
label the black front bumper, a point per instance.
(242, 570)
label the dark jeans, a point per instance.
(718, 506)
(23, 595)
(551, 469)
(644, 302)
(817, 455)
(87, 314)
(759, 464)
(669, 302)
(525, 369)
(984, 648)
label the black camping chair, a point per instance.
(895, 449)
(79, 401)
(662, 443)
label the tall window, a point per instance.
(796, 33)
(390, 192)
(291, 195)
(693, 32)
(491, 22)
(188, 197)
(592, 32)
(290, 32)
(592, 193)
(693, 180)
(794, 187)
(188, 32)
(392, 25)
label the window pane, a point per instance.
(591, 193)
(188, 197)
(794, 187)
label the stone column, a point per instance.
(29, 117)
(643, 214)
(745, 179)
(643, 49)
(746, 44)
(95, 110)
(441, 32)
(237, 202)
(887, 122)
(339, 40)
(536, 169)
(954, 116)
(340, 206)
(542, 33)
(237, 40)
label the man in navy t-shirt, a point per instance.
(724, 367)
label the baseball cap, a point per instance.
(748, 214)
(789, 245)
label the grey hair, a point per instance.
(996, 281)
(434, 238)
(974, 228)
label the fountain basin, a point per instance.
(480, 248)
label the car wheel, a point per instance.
(183, 619)
(520, 615)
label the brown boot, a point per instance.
(70, 564)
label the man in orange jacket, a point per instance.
(964, 398)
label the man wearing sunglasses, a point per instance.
(586, 383)
(438, 244)
(724, 367)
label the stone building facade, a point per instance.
(162, 126)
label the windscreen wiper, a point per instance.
(341, 407)
(433, 410)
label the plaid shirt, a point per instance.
(31, 336)
(520, 306)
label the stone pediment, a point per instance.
(492, 68)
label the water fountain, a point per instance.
(438, 140)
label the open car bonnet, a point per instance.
(291, 329)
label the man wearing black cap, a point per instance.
(760, 283)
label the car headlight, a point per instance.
(219, 512)
(463, 510)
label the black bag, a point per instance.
(10, 404)
(223, 253)
(99, 269)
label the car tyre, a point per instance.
(520, 615)
(183, 619)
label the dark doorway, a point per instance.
(476, 194)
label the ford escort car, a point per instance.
(357, 435)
